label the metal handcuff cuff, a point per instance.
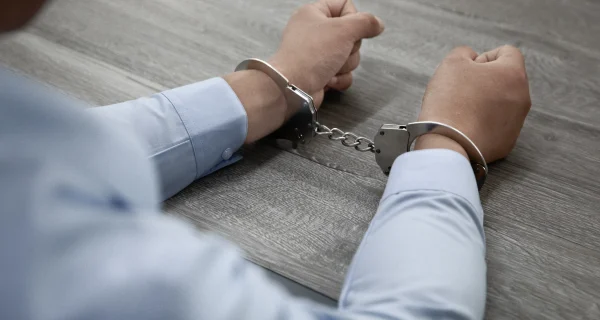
(391, 141)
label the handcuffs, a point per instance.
(391, 140)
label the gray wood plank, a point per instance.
(532, 275)
(76, 74)
(302, 213)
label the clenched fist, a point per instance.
(320, 45)
(484, 96)
(319, 50)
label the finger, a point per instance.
(351, 63)
(463, 52)
(362, 25)
(356, 47)
(341, 82)
(505, 54)
(349, 8)
(336, 8)
(331, 82)
(488, 56)
(318, 98)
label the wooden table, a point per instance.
(303, 213)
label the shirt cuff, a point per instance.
(214, 119)
(434, 169)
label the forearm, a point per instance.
(424, 253)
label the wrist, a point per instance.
(292, 71)
(437, 141)
(262, 99)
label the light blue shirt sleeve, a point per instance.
(190, 131)
(82, 236)
(423, 256)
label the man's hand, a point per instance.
(320, 48)
(484, 96)
(320, 45)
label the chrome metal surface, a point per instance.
(478, 163)
(348, 139)
(300, 128)
(263, 66)
(392, 140)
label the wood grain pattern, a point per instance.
(302, 213)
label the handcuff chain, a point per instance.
(348, 139)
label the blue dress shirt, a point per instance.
(82, 236)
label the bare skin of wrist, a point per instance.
(437, 141)
(264, 102)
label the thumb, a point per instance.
(362, 25)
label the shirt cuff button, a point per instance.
(227, 154)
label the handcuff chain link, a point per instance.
(348, 139)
